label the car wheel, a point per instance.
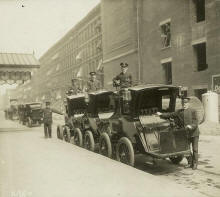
(78, 139)
(30, 122)
(66, 134)
(89, 142)
(125, 151)
(105, 146)
(58, 131)
(176, 159)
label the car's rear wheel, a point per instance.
(105, 146)
(176, 159)
(66, 134)
(59, 132)
(78, 139)
(89, 142)
(125, 151)
(30, 122)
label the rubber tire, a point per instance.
(78, 133)
(61, 132)
(177, 159)
(125, 141)
(106, 138)
(90, 137)
(30, 122)
(66, 131)
(58, 131)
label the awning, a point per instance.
(16, 68)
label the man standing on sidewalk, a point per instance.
(47, 119)
(189, 120)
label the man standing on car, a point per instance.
(124, 79)
(74, 89)
(189, 120)
(47, 119)
(93, 84)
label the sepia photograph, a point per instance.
(110, 98)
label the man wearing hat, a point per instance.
(74, 89)
(189, 120)
(93, 84)
(47, 119)
(124, 79)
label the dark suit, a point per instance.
(93, 85)
(47, 120)
(125, 80)
(188, 117)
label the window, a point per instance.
(200, 52)
(199, 92)
(165, 35)
(200, 10)
(167, 68)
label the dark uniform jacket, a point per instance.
(47, 115)
(73, 90)
(187, 117)
(93, 85)
(125, 80)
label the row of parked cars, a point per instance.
(125, 123)
(30, 114)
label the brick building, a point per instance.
(164, 41)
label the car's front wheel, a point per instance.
(105, 146)
(78, 138)
(66, 134)
(89, 142)
(125, 151)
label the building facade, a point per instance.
(170, 41)
(74, 55)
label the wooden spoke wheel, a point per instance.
(66, 134)
(59, 132)
(176, 159)
(78, 139)
(105, 146)
(30, 122)
(125, 151)
(89, 142)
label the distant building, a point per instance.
(170, 41)
(75, 55)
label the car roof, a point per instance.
(76, 96)
(152, 86)
(98, 92)
(34, 103)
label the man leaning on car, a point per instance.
(189, 120)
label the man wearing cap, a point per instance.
(189, 120)
(47, 119)
(74, 89)
(93, 84)
(124, 79)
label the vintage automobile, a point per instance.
(136, 128)
(87, 118)
(100, 109)
(75, 112)
(21, 113)
(12, 111)
(32, 114)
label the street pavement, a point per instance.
(31, 166)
